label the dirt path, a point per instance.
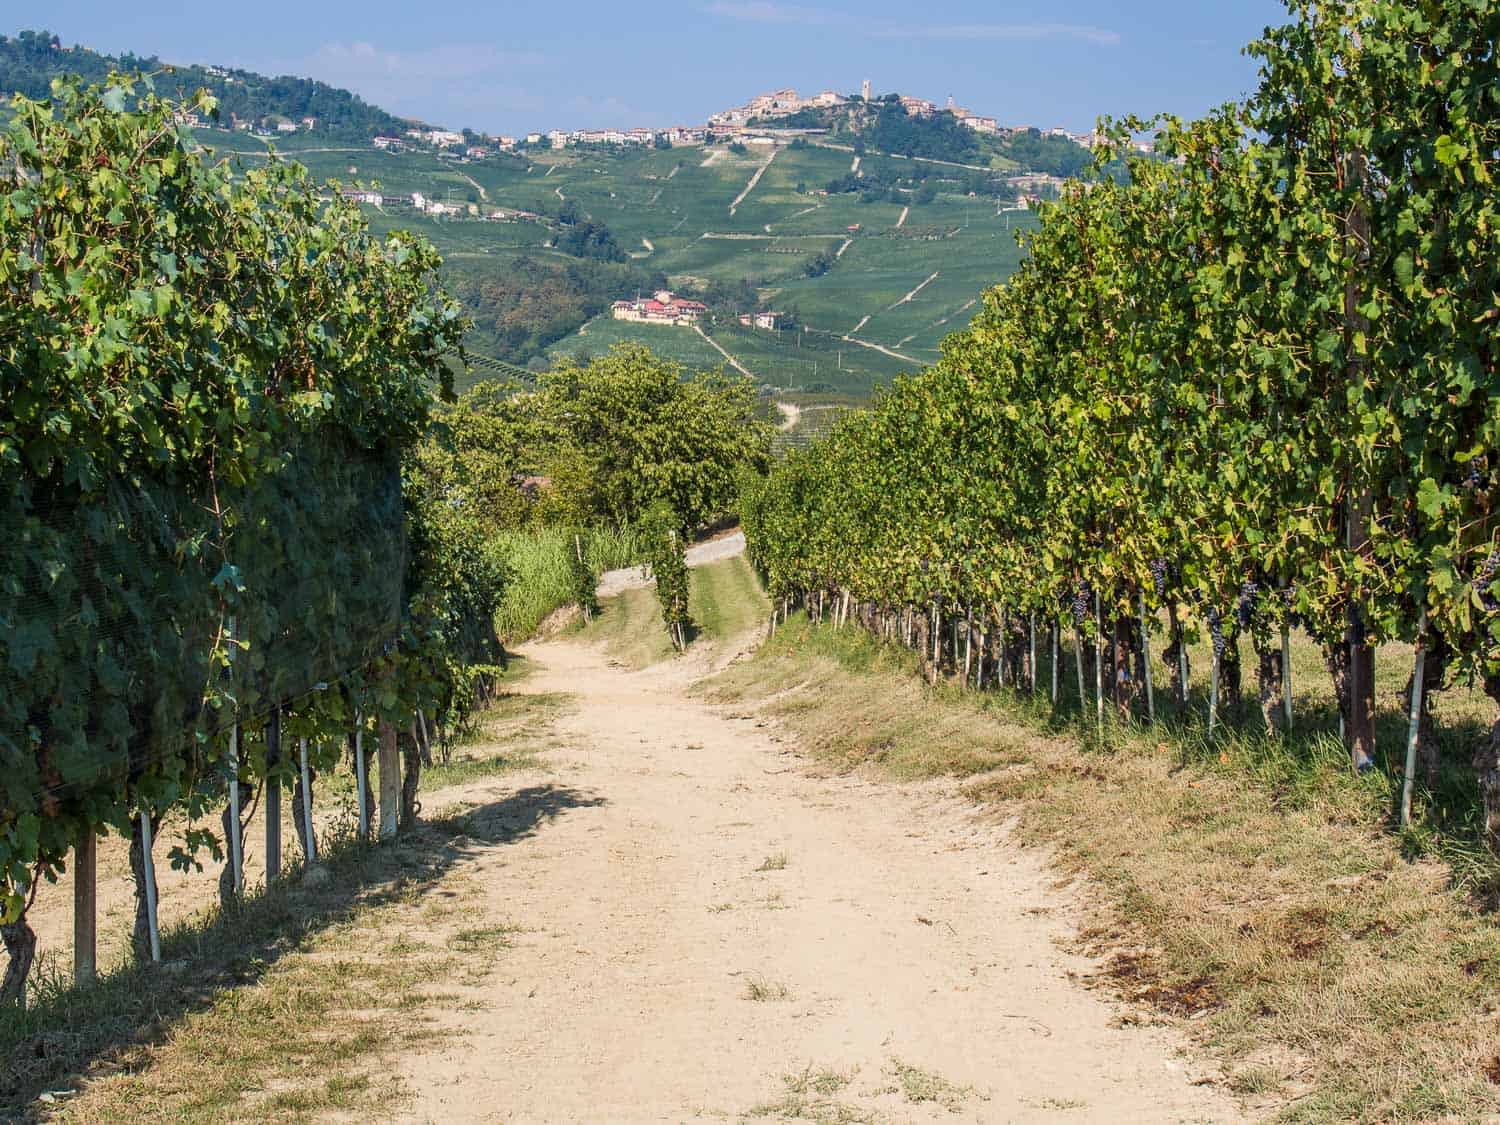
(901, 222)
(755, 179)
(717, 549)
(484, 196)
(736, 364)
(879, 348)
(711, 930)
(906, 299)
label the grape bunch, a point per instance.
(1216, 630)
(1289, 594)
(1485, 577)
(1475, 475)
(1158, 569)
(1080, 603)
(1246, 607)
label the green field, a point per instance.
(675, 211)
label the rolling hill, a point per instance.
(872, 257)
(901, 276)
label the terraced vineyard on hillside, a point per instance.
(902, 279)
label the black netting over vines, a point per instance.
(116, 610)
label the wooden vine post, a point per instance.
(1083, 699)
(236, 840)
(85, 908)
(1413, 729)
(1213, 693)
(1099, 663)
(1286, 675)
(307, 820)
(273, 796)
(390, 781)
(1031, 662)
(1056, 629)
(1361, 497)
(361, 776)
(1146, 663)
(148, 867)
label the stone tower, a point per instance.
(865, 90)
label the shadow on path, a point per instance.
(68, 1033)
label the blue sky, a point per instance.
(508, 67)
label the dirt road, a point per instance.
(710, 929)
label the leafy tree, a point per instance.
(640, 431)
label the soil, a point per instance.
(717, 549)
(708, 927)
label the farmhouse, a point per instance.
(662, 308)
(767, 320)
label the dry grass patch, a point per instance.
(280, 1009)
(918, 1086)
(1263, 903)
(763, 991)
(811, 1094)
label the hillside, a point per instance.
(885, 125)
(896, 278)
(873, 239)
(32, 59)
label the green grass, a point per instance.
(541, 576)
(725, 602)
(1252, 885)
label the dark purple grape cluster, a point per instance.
(1216, 631)
(1289, 594)
(1245, 610)
(1158, 569)
(1484, 578)
(1080, 603)
(1474, 479)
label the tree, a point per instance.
(642, 432)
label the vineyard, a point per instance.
(218, 587)
(1247, 393)
(259, 546)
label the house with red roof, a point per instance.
(663, 307)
